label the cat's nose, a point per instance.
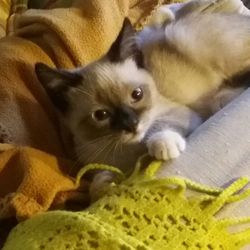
(125, 119)
(130, 125)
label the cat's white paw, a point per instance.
(166, 145)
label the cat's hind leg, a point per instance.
(167, 13)
(211, 6)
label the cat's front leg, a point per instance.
(166, 137)
(166, 145)
(100, 184)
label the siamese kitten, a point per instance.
(151, 89)
(114, 109)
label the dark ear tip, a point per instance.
(39, 67)
(127, 23)
(44, 73)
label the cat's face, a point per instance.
(105, 98)
(111, 99)
(106, 105)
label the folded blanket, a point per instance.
(38, 181)
(32, 181)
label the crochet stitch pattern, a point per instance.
(141, 213)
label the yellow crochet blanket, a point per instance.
(141, 213)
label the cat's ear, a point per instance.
(125, 46)
(57, 84)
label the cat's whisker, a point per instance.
(120, 147)
(94, 155)
(115, 149)
(116, 141)
(80, 154)
(87, 155)
(94, 141)
(108, 148)
(85, 151)
(90, 153)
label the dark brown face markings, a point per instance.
(125, 119)
(125, 107)
(125, 116)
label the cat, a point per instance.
(151, 89)
(114, 110)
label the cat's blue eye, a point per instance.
(100, 115)
(137, 94)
